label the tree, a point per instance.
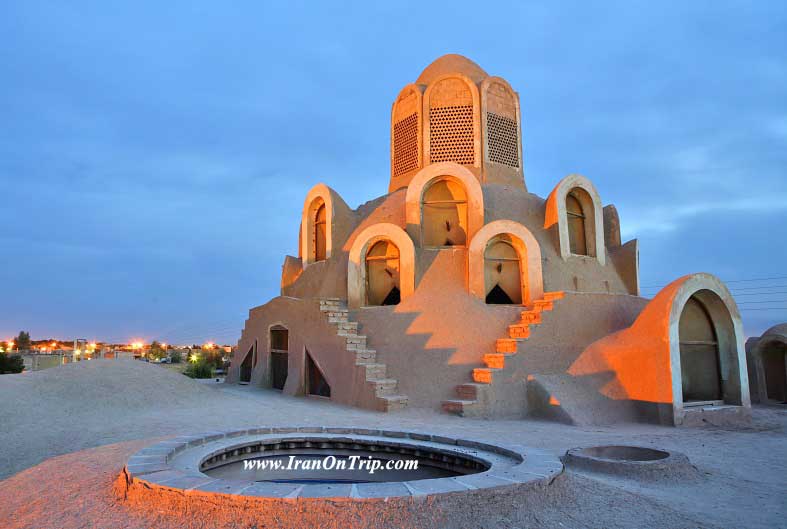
(23, 341)
(11, 364)
(198, 367)
(213, 356)
(157, 351)
(175, 356)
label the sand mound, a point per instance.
(98, 384)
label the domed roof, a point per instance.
(452, 63)
(778, 330)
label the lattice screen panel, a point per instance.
(502, 140)
(451, 135)
(405, 141)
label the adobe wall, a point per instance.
(577, 273)
(308, 329)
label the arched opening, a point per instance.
(774, 356)
(382, 274)
(577, 226)
(444, 214)
(502, 273)
(699, 354)
(315, 380)
(246, 367)
(279, 356)
(319, 235)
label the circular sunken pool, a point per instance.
(330, 463)
(336, 460)
(635, 461)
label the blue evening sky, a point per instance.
(154, 156)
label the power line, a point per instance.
(760, 293)
(731, 281)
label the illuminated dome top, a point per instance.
(452, 63)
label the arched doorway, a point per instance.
(502, 273)
(444, 214)
(246, 367)
(320, 244)
(577, 229)
(279, 356)
(699, 354)
(382, 274)
(774, 356)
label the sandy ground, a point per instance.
(106, 404)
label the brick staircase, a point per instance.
(385, 389)
(473, 396)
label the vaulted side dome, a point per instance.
(452, 63)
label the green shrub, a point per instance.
(199, 369)
(175, 357)
(11, 364)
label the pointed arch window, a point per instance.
(444, 214)
(382, 274)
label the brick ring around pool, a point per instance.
(332, 463)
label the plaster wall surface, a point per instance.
(308, 330)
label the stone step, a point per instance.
(374, 371)
(470, 391)
(484, 375)
(463, 408)
(348, 326)
(519, 330)
(384, 386)
(337, 319)
(552, 296)
(543, 305)
(353, 338)
(496, 360)
(507, 345)
(392, 402)
(365, 356)
(333, 308)
(531, 317)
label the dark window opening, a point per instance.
(393, 297)
(279, 340)
(320, 237)
(498, 296)
(246, 366)
(316, 380)
(773, 363)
